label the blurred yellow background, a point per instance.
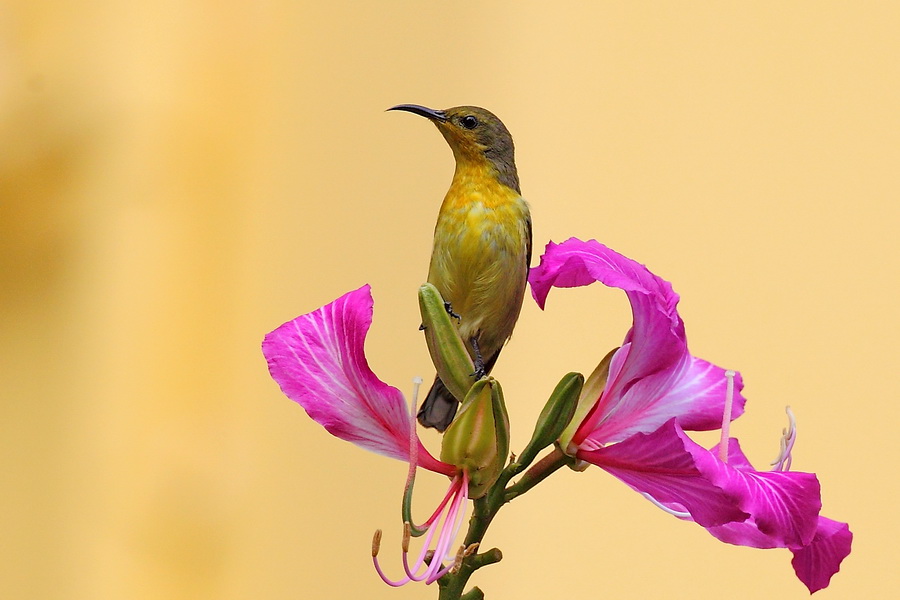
(179, 178)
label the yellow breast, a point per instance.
(479, 262)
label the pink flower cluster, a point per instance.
(633, 429)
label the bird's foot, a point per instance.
(480, 371)
(449, 308)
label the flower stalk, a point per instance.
(485, 509)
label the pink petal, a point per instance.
(657, 335)
(654, 390)
(652, 377)
(576, 263)
(783, 505)
(815, 563)
(663, 464)
(784, 514)
(692, 391)
(736, 505)
(697, 395)
(318, 361)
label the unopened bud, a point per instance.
(555, 417)
(478, 439)
(448, 352)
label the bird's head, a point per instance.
(476, 136)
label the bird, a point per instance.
(482, 243)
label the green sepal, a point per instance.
(555, 416)
(587, 398)
(478, 438)
(448, 352)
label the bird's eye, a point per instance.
(469, 122)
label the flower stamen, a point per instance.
(788, 437)
(421, 560)
(415, 530)
(452, 522)
(726, 416)
(406, 535)
(376, 543)
(376, 546)
(448, 519)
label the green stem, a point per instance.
(486, 508)
(536, 474)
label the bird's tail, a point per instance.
(439, 407)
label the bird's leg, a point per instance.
(449, 308)
(480, 371)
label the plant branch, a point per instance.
(486, 508)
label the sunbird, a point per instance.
(482, 243)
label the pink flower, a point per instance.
(318, 361)
(634, 428)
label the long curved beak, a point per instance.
(422, 111)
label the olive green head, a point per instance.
(475, 135)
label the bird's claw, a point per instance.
(449, 308)
(480, 371)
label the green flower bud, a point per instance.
(478, 439)
(557, 414)
(588, 397)
(448, 352)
